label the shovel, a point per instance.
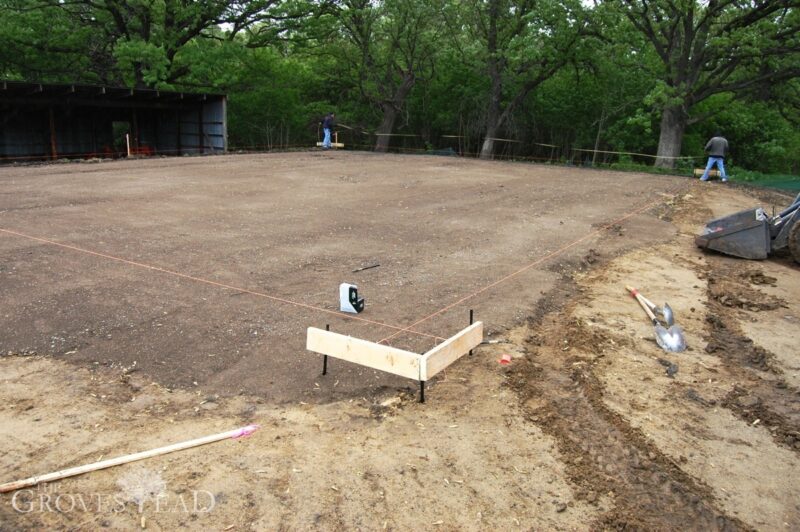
(669, 339)
(665, 311)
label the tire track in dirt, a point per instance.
(762, 395)
(602, 452)
(563, 394)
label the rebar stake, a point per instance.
(325, 357)
(470, 322)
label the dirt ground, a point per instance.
(150, 302)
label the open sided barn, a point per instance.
(51, 121)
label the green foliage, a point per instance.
(148, 60)
(560, 73)
(43, 45)
(779, 181)
(452, 104)
(712, 48)
(760, 137)
(267, 105)
(136, 42)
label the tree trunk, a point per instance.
(487, 149)
(493, 126)
(494, 118)
(673, 124)
(391, 109)
(495, 75)
(597, 138)
(384, 130)
(138, 70)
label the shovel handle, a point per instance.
(647, 302)
(639, 297)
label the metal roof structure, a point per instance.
(51, 121)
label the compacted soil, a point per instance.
(148, 302)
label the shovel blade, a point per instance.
(671, 339)
(669, 316)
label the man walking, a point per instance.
(327, 126)
(716, 148)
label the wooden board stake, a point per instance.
(393, 360)
(451, 350)
(363, 352)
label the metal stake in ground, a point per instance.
(325, 357)
(470, 322)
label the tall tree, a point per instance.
(713, 47)
(391, 46)
(138, 42)
(522, 44)
(44, 45)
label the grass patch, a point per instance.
(736, 174)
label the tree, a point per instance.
(138, 42)
(43, 45)
(391, 46)
(522, 44)
(268, 96)
(708, 48)
(594, 104)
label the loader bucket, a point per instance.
(744, 234)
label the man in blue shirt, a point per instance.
(327, 126)
(717, 147)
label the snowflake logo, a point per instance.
(142, 485)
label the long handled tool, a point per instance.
(73, 471)
(669, 339)
(665, 311)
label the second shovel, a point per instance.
(665, 311)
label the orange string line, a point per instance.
(550, 255)
(212, 283)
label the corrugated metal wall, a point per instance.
(214, 126)
(31, 129)
(23, 134)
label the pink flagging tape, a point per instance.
(244, 432)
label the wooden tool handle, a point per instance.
(635, 293)
(79, 470)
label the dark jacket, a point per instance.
(327, 122)
(717, 147)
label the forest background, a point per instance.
(625, 83)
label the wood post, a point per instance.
(53, 152)
(73, 471)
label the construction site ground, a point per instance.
(148, 302)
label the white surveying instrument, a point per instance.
(349, 300)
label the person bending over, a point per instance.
(716, 148)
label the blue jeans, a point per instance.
(720, 162)
(326, 142)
